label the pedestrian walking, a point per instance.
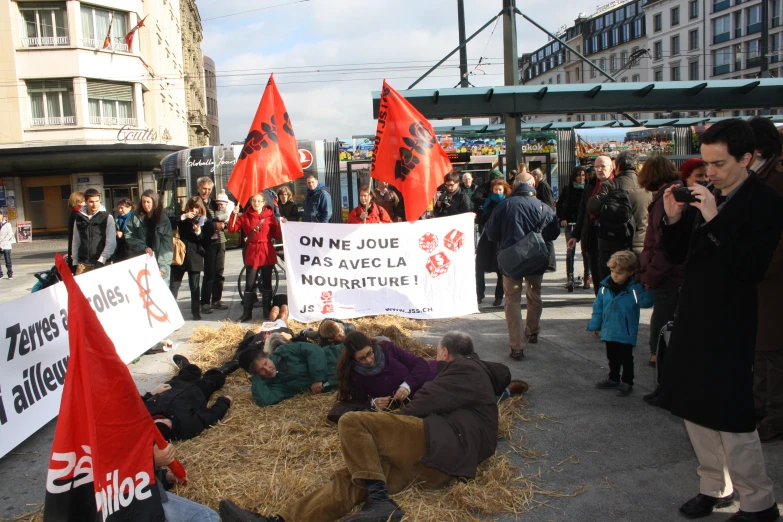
(568, 212)
(6, 241)
(487, 251)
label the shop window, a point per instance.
(44, 25)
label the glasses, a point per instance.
(450, 184)
(364, 358)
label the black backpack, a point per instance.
(615, 221)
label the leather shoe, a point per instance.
(768, 515)
(206, 309)
(230, 512)
(383, 511)
(497, 302)
(517, 387)
(703, 505)
(219, 305)
(181, 361)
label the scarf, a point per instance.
(497, 198)
(375, 369)
(580, 186)
(617, 288)
(122, 221)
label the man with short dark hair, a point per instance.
(215, 253)
(445, 432)
(726, 236)
(318, 202)
(451, 200)
(94, 234)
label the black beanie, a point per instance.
(164, 430)
(246, 358)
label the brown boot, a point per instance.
(586, 283)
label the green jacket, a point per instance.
(299, 365)
(136, 239)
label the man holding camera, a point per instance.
(729, 236)
(452, 200)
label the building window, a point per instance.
(630, 10)
(774, 13)
(577, 75)
(637, 28)
(693, 9)
(623, 58)
(636, 61)
(636, 78)
(604, 117)
(568, 76)
(657, 22)
(675, 19)
(658, 76)
(95, 28)
(721, 29)
(110, 103)
(693, 71)
(624, 79)
(675, 45)
(721, 60)
(615, 36)
(626, 32)
(558, 78)
(657, 50)
(613, 63)
(737, 24)
(592, 72)
(51, 102)
(675, 73)
(594, 117)
(602, 63)
(44, 25)
(754, 19)
(693, 40)
(720, 5)
(774, 48)
(754, 53)
(605, 40)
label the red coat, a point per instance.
(377, 214)
(260, 249)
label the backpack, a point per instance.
(615, 221)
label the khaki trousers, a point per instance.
(732, 460)
(513, 290)
(376, 446)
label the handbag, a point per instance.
(528, 256)
(179, 250)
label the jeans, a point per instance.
(513, 308)
(620, 356)
(663, 311)
(178, 509)
(214, 263)
(8, 267)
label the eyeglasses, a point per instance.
(364, 358)
(450, 184)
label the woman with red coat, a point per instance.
(260, 227)
(368, 211)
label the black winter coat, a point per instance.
(460, 415)
(459, 203)
(289, 210)
(486, 250)
(640, 200)
(568, 204)
(708, 373)
(194, 245)
(185, 405)
(584, 230)
(544, 193)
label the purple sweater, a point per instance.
(401, 366)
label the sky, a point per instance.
(329, 55)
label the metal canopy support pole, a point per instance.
(463, 50)
(511, 77)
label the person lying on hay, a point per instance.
(329, 332)
(179, 407)
(277, 322)
(284, 369)
(445, 432)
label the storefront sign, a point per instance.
(24, 232)
(82, 180)
(128, 296)
(305, 158)
(127, 133)
(459, 157)
(422, 270)
(209, 162)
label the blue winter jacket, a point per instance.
(318, 205)
(617, 316)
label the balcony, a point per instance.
(720, 5)
(45, 41)
(55, 121)
(720, 38)
(116, 44)
(112, 121)
(754, 28)
(721, 69)
(753, 62)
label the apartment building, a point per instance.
(210, 81)
(195, 84)
(85, 102)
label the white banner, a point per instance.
(422, 270)
(135, 307)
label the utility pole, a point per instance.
(511, 76)
(764, 44)
(463, 52)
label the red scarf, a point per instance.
(598, 184)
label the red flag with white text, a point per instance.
(101, 466)
(407, 153)
(270, 156)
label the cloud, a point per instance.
(356, 43)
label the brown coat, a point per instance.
(460, 415)
(656, 269)
(771, 288)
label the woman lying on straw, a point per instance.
(285, 369)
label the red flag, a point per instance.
(270, 156)
(407, 153)
(132, 33)
(101, 464)
(107, 40)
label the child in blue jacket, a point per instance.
(616, 316)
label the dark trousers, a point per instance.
(7, 259)
(214, 262)
(177, 273)
(663, 311)
(603, 267)
(571, 255)
(593, 261)
(252, 273)
(208, 383)
(620, 358)
(768, 388)
(481, 285)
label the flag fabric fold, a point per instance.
(101, 466)
(407, 153)
(132, 33)
(270, 156)
(107, 40)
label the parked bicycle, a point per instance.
(276, 270)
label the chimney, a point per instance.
(581, 18)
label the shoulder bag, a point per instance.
(528, 256)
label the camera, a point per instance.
(683, 195)
(445, 198)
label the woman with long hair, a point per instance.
(124, 209)
(149, 232)
(567, 212)
(656, 271)
(75, 203)
(376, 373)
(196, 232)
(368, 211)
(259, 226)
(486, 250)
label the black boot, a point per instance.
(247, 307)
(230, 512)
(195, 309)
(266, 303)
(228, 368)
(379, 507)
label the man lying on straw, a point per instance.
(284, 369)
(445, 432)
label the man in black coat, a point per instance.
(513, 219)
(215, 254)
(451, 200)
(446, 431)
(179, 407)
(726, 239)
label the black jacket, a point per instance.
(194, 245)
(708, 373)
(184, 404)
(568, 204)
(584, 230)
(92, 235)
(544, 193)
(458, 203)
(289, 210)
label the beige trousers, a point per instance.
(513, 290)
(732, 460)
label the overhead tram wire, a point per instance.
(253, 10)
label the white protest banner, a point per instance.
(422, 270)
(135, 308)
